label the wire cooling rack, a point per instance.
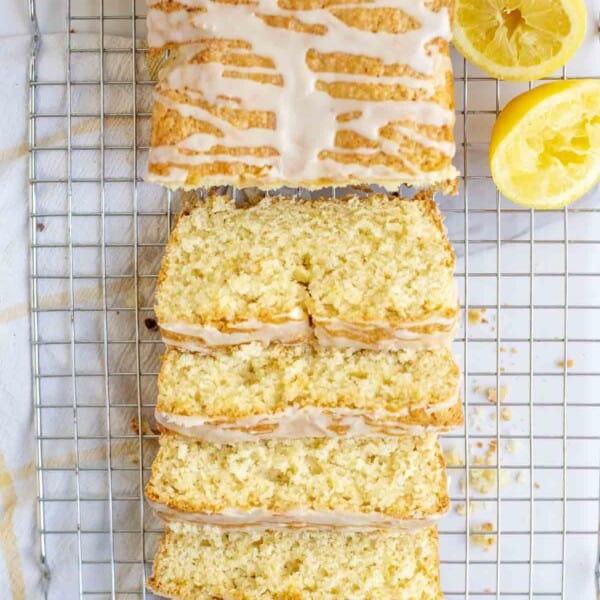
(525, 470)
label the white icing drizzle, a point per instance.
(328, 332)
(401, 339)
(366, 326)
(293, 330)
(173, 154)
(305, 117)
(299, 423)
(260, 518)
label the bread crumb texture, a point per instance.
(475, 316)
(202, 563)
(483, 466)
(374, 259)
(403, 477)
(483, 473)
(492, 394)
(461, 508)
(251, 380)
(481, 536)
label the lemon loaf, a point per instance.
(203, 563)
(247, 392)
(346, 482)
(302, 93)
(373, 273)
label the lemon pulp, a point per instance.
(545, 147)
(519, 39)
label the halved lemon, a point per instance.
(545, 146)
(519, 40)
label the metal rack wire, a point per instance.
(97, 234)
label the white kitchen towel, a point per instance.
(21, 569)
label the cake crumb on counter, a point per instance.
(475, 316)
(461, 508)
(570, 363)
(482, 477)
(480, 535)
(492, 394)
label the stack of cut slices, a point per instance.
(308, 370)
(306, 377)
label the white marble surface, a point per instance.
(20, 570)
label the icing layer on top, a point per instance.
(324, 111)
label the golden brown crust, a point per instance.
(447, 185)
(169, 127)
(170, 6)
(312, 4)
(344, 63)
(211, 53)
(240, 118)
(154, 582)
(241, 173)
(293, 24)
(441, 420)
(432, 209)
(425, 157)
(437, 5)
(377, 20)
